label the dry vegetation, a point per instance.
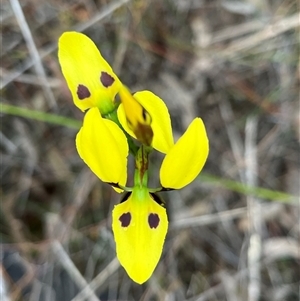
(235, 64)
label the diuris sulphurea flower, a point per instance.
(106, 138)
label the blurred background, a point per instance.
(234, 232)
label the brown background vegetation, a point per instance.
(233, 63)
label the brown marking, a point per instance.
(153, 220)
(125, 219)
(106, 79)
(83, 92)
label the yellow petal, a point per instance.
(103, 147)
(140, 226)
(90, 78)
(161, 122)
(186, 159)
(138, 119)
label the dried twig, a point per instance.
(235, 31)
(98, 281)
(29, 78)
(208, 219)
(108, 10)
(233, 135)
(3, 287)
(266, 33)
(254, 250)
(70, 267)
(33, 51)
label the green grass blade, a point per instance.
(38, 115)
(259, 192)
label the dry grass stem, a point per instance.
(270, 31)
(208, 219)
(30, 79)
(69, 266)
(254, 210)
(107, 11)
(234, 137)
(33, 52)
(98, 280)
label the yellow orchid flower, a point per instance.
(140, 221)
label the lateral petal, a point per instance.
(160, 124)
(102, 145)
(140, 226)
(138, 119)
(90, 78)
(187, 157)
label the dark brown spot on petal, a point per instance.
(153, 220)
(125, 219)
(106, 79)
(83, 92)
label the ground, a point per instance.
(234, 232)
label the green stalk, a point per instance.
(259, 192)
(40, 116)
